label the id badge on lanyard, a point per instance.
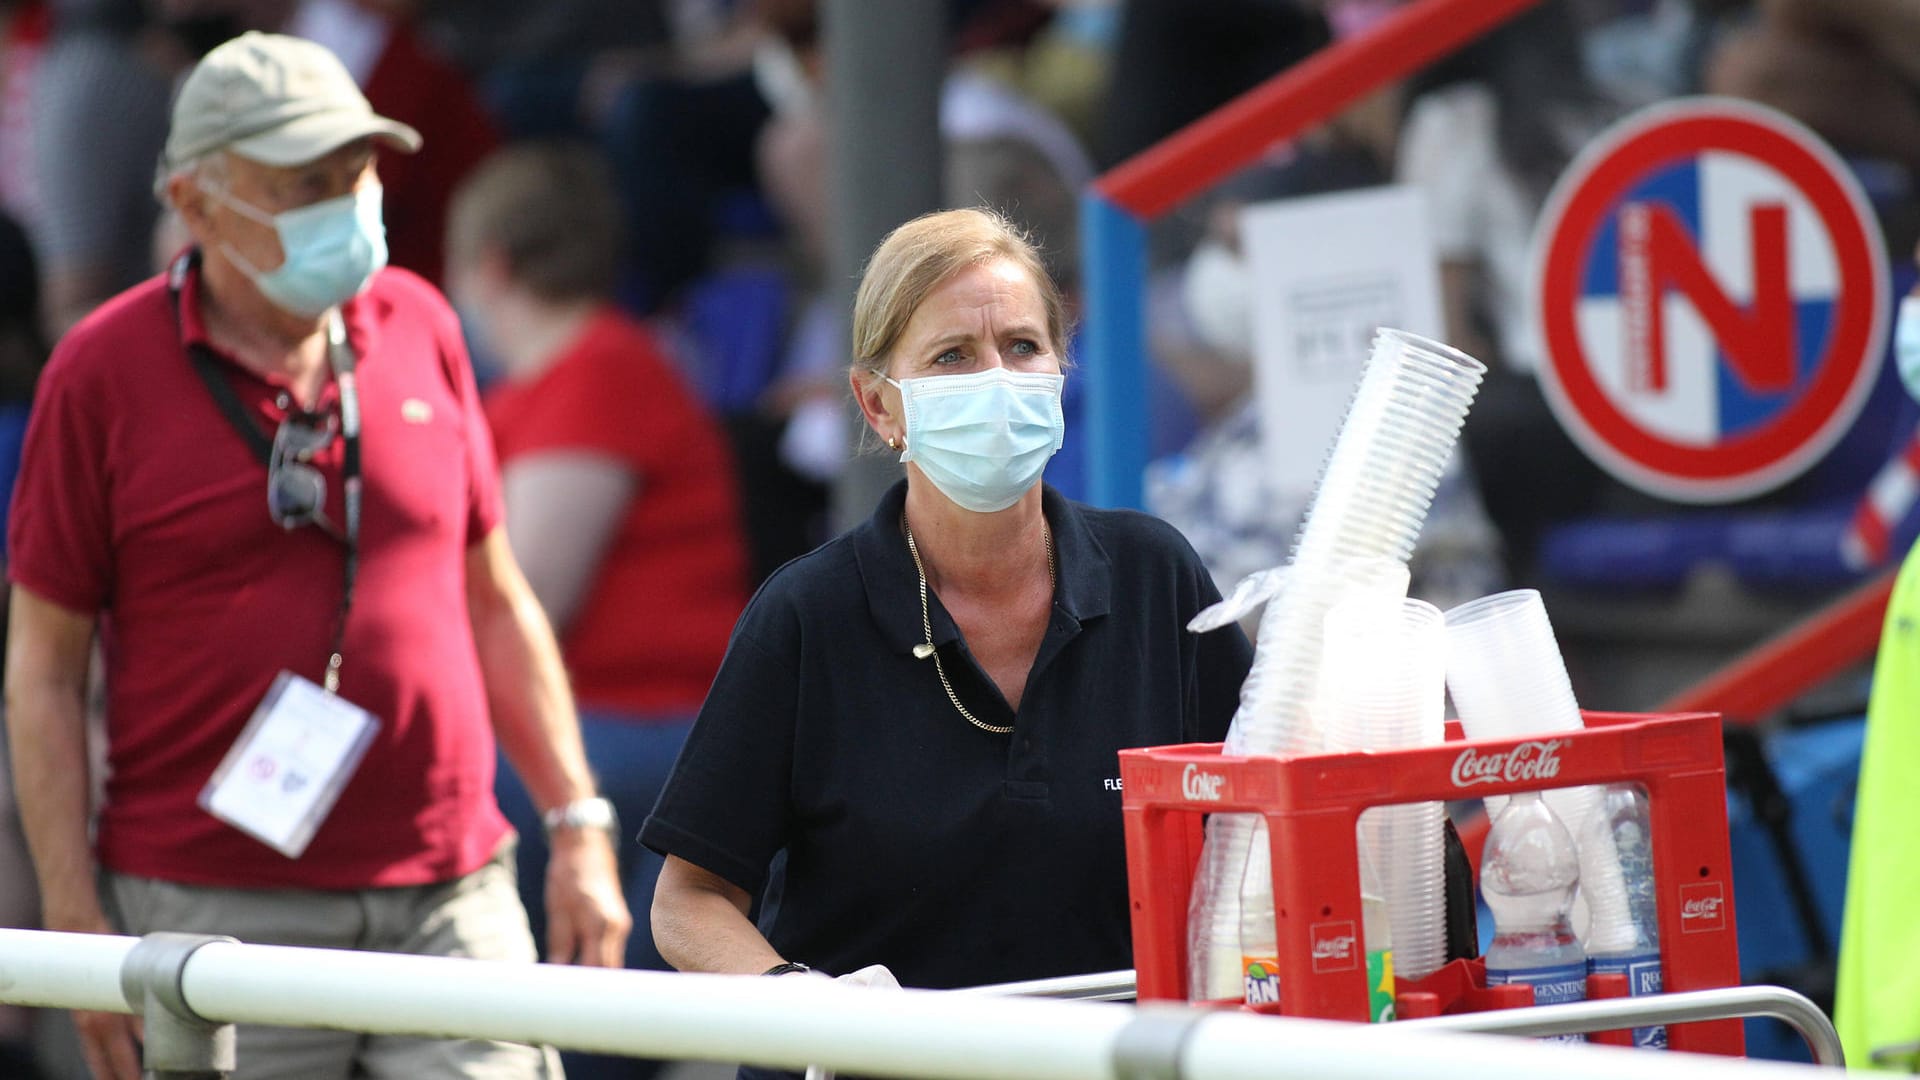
(290, 763)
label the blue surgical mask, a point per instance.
(983, 438)
(1906, 344)
(333, 248)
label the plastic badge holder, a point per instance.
(1312, 803)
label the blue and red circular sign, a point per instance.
(1712, 294)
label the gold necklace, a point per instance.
(926, 648)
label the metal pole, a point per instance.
(1098, 986)
(886, 60)
(50, 970)
(1242, 1046)
(774, 1023)
(1732, 1002)
(1114, 267)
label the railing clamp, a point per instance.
(1149, 1046)
(179, 1043)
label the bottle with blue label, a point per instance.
(1528, 875)
(1629, 825)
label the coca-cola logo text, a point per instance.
(1535, 760)
(1705, 908)
(1196, 783)
(1333, 948)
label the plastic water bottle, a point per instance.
(1527, 876)
(1629, 825)
(1214, 916)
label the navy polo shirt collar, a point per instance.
(1084, 590)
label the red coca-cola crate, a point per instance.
(1313, 803)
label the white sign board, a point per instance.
(1327, 271)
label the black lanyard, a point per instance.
(341, 358)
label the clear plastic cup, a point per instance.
(1276, 714)
(1413, 873)
(1508, 680)
(1507, 677)
(1384, 674)
(1505, 670)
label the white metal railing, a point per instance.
(1790, 1007)
(1100, 986)
(782, 1023)
(1611, 1014)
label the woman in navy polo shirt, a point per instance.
(924, 714)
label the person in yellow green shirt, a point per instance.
(1877, 1003)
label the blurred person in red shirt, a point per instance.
(619, 487)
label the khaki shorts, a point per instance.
(477, 916)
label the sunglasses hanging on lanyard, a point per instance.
(296, 489)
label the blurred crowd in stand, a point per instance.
(627, 202)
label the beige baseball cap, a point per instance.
(274, 99)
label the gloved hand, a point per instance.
(871, 977)
(1906, 344)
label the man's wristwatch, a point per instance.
(594, 813)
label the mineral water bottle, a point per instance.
(1628, 824)
(1527, 876)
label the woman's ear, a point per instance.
(879, 404)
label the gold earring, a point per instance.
(893, 442)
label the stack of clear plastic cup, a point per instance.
(1374, 584)
(1229, 925)
(1385, 689)
(1509, 680)
(1384, 675)
(1371, 500)
(1505, 670)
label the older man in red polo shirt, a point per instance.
(313, 633)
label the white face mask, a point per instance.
(1218, 299)
(332, 247)
(983, 438)
(1906, 344)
